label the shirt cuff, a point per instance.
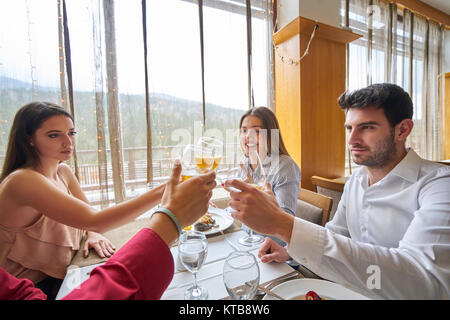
(307, 244)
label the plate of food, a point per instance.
(213, 221)
(314, 289)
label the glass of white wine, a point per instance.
(195, 160)
(215, 145)
(192, 251)
(241, 275)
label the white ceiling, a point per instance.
(442, 5)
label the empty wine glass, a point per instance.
(231, 173)
(154, 184)
(250, 239)
(241, 275)
(195, 160)
(192, 251)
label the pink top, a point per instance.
(42, 249)
(45, 248)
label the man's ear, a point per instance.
(403, 129)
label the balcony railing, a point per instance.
(134, 166)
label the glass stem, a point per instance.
(195, 280)
(250, 235)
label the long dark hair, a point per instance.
(29, 118)
(270, 122)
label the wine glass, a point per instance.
(250, 239)
(241, 275)
(215, 145)
(195, 160)
(192, 251)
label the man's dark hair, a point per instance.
(395, 102)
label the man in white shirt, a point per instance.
(390, 236)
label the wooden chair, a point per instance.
(332, 184)
(313, 207)
(332, 188)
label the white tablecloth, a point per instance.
(209, 276)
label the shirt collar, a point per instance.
(408, 168)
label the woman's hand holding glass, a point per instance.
(237, 173)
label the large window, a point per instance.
(404, 48)
(102, 44)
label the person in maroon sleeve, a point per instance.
(143, 267)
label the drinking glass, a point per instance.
(229, 173)
(151, 185)
(215, 145)
(250, 239)
(192, 251)
(195, 160)
(241, 275)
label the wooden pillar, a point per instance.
(306, 93)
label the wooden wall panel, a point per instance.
(306, 96)
(287, 97)
(323, 134)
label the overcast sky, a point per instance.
(173, 35)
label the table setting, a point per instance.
(266, 281)
(214, 258)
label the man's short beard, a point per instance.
(383, 154)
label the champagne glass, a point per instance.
(215, 145)
(241, 275)
(192, 251)
(154, 184)
(250, 239)
(195, 160)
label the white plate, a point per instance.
(325, 289)
(223, 220)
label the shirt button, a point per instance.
(304, 260)
(363, 229)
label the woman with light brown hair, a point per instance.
(260, 137)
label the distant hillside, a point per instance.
(167, 114)
(10, 83)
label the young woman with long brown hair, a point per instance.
(260, 136)
(43, 209)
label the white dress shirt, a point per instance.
(391, 240)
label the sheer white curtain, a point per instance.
(404, 48)
(29, 59)
(105, 39)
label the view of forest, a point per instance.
(168, 113)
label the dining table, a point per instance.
(221, 243)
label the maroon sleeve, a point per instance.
(12, 288)
(142, 269)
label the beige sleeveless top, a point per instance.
(42, 249)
